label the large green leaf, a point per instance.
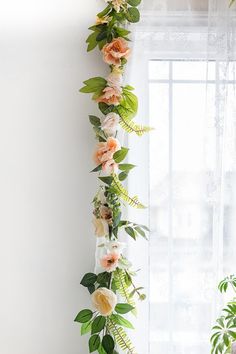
(84, 316)
(108, 344)
(88, 279)
(98, 324)
(123, 308)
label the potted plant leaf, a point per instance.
(223, 339)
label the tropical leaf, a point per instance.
(121, 337)
(123, 193)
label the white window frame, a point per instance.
(139, 148)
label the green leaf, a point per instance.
(122, 32)
(107, 180)
(141, 232)
(130, 231)
(85, 328)
(84, 316)
(118, 319)
(133, 15)
(123, 175)
(103, 277)
(91, 289)
(129, 88)
(108, 344)
(92, 41)
(123, 308)
(88, 279)
(94, 343)
(94, 84)
(134, 2)
(104, 12)
(98, 168)
(95, 121)
(102, 35)
(98, 324)
(120, 154)
(105, 108)
(126, 166)
(130, 101)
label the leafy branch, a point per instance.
(224, 331)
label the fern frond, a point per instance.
(123, 193)
(122, 288)
(121, 338)
(130, 127)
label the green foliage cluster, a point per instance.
(106, 333)
(224, 331)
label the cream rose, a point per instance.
(101, 227)
(110, 124)
(115, 79)
(104, 300)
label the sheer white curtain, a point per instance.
(183, 68)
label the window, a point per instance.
(192, 242)
(183, 253)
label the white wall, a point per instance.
(46, 240)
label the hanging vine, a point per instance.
(106, 323)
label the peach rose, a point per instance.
(105, 151)
(110, 261)
(116, 50)
(101, 227)
(110, 123)
(110, 96)
(104, 301)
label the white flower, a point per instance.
(104, 300)
(102, 197)
(110, 124)
(114, 80)
(117, 4)
(114, 246)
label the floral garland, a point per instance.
(106, 323)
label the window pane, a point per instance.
(158, 70)
(181, 247)
(193, 70)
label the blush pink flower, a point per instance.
(110, 166)
(114, 80)
(110, 123)
(105, 151)
(116, 50)
(110, 96)
(110, 261)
